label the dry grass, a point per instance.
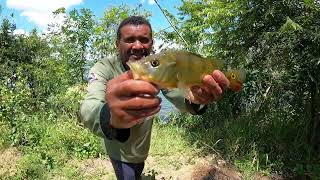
(96, 168)
(8, 162)
(183, 167)
(190, 168)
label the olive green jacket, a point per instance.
(94, 113)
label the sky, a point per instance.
(29, 14)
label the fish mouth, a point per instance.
(137, 69)
(237, 86)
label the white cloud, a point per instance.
(40, 11)
(151, 2)
(20, 31)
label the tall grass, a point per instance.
(270, 143)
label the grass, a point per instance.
(59, 148)
(169, 149)
(48, 144)
(162, 140)
(272, 144)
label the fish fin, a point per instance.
(215, 63)
(197, 55)
(183, 92)
(242, 73)
(173, 63)
(183, 89)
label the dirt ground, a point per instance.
(170, 168)
(8, 162)
(189, 168)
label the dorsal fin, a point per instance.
(174, 51)
(216, 62)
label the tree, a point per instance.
(277, 42)
(72, 40)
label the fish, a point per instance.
(181, 69)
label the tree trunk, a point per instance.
(315, 116)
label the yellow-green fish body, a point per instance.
(180, 69)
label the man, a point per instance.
(119, 109)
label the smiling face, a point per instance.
(134, 43)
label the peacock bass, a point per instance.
(181, 69)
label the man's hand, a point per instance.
(211, 90)
(130, 100)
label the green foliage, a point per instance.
(277, 42)
(68, 101)
(47, 142)
(41, 86)
(272, 125)
(36, 171)
(72, 41)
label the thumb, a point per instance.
(123, 77)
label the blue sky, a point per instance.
(29, 14)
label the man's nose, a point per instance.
(137, 45)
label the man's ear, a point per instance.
(152, 47)
(117, 44)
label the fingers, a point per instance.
(129, 118)
(216, 83)
(200, 96)
(221, 79)
(211, 86)
(124, 85)
(123, 77)
(133, 94)
(137, 103)
(211, 90)
(136, 87)
(139, 107)
(130, 101)
(143, 113)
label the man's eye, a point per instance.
(133, 40)
(129, 40)
(144, 40)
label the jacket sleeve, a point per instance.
(176, 97)
(94, 101)
(94, 112)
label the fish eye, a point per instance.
(233, 76)
(154, 63)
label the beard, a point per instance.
(134, 56)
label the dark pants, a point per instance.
(127, 171)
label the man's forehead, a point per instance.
(132, 29)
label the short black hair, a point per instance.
(134, 20)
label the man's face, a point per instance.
(135, 42)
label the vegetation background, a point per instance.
(271, 128)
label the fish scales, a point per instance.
(181, 69)
(191, 68)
